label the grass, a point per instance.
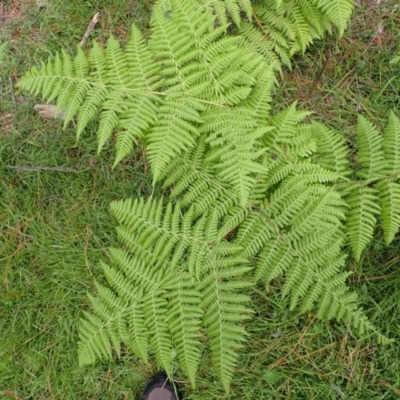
(55, 226)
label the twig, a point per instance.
(260, 25)
(89, 29)
(326, 62)
(7, 181)
(41, 168)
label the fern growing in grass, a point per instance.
(251, 196)
(377, 191)
(279, 29)
(162, 297)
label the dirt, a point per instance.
(9, 10)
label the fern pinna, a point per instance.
(376, 190)
(250, 196)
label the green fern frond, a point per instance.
(195, 286)
(364, 206)
(225, 309)
(338, 11)
(234, 138)
(370, 153)
(118, 84)
(288, 26)
(136, 336)
(231, 8)
(154, 91)
(96, 96)
(332, 149)
(260, 97)
(391, 147)
(324, 209)
(275, 258)
(302, 30)
(184, 320)
(175, 132)
(252, 37)
(286, 125)
(389, 195)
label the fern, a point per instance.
(289, 26)
(298, 229)
(231, 8)
(152, 92)
(173, 280)
(361, 218)
(377, 194)
(250, 196)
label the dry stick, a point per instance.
(91, 26)
(260, 25)
(326, 62)
(41, 168)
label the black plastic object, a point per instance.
(159, 387)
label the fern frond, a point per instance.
(364, 206)
(288, 26)
(302, 30)
(338, 11)
(275, 258)
(234, 138)
(195, 286)
(252, 37)
(225, 309)
(137, 336)
(391, 147)
(286, 125)
(109, 326)
(260, 97)
(98, 94)
(231, 8)
(389, 195)
(370, 153)
(175, 132)
(154, 309)
(184, 321)
(332, 149)
(119, 84)
(324, 209)
(145, 76)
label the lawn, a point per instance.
(55, 225)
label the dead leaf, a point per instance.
(48, 111)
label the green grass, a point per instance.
(55, 226)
